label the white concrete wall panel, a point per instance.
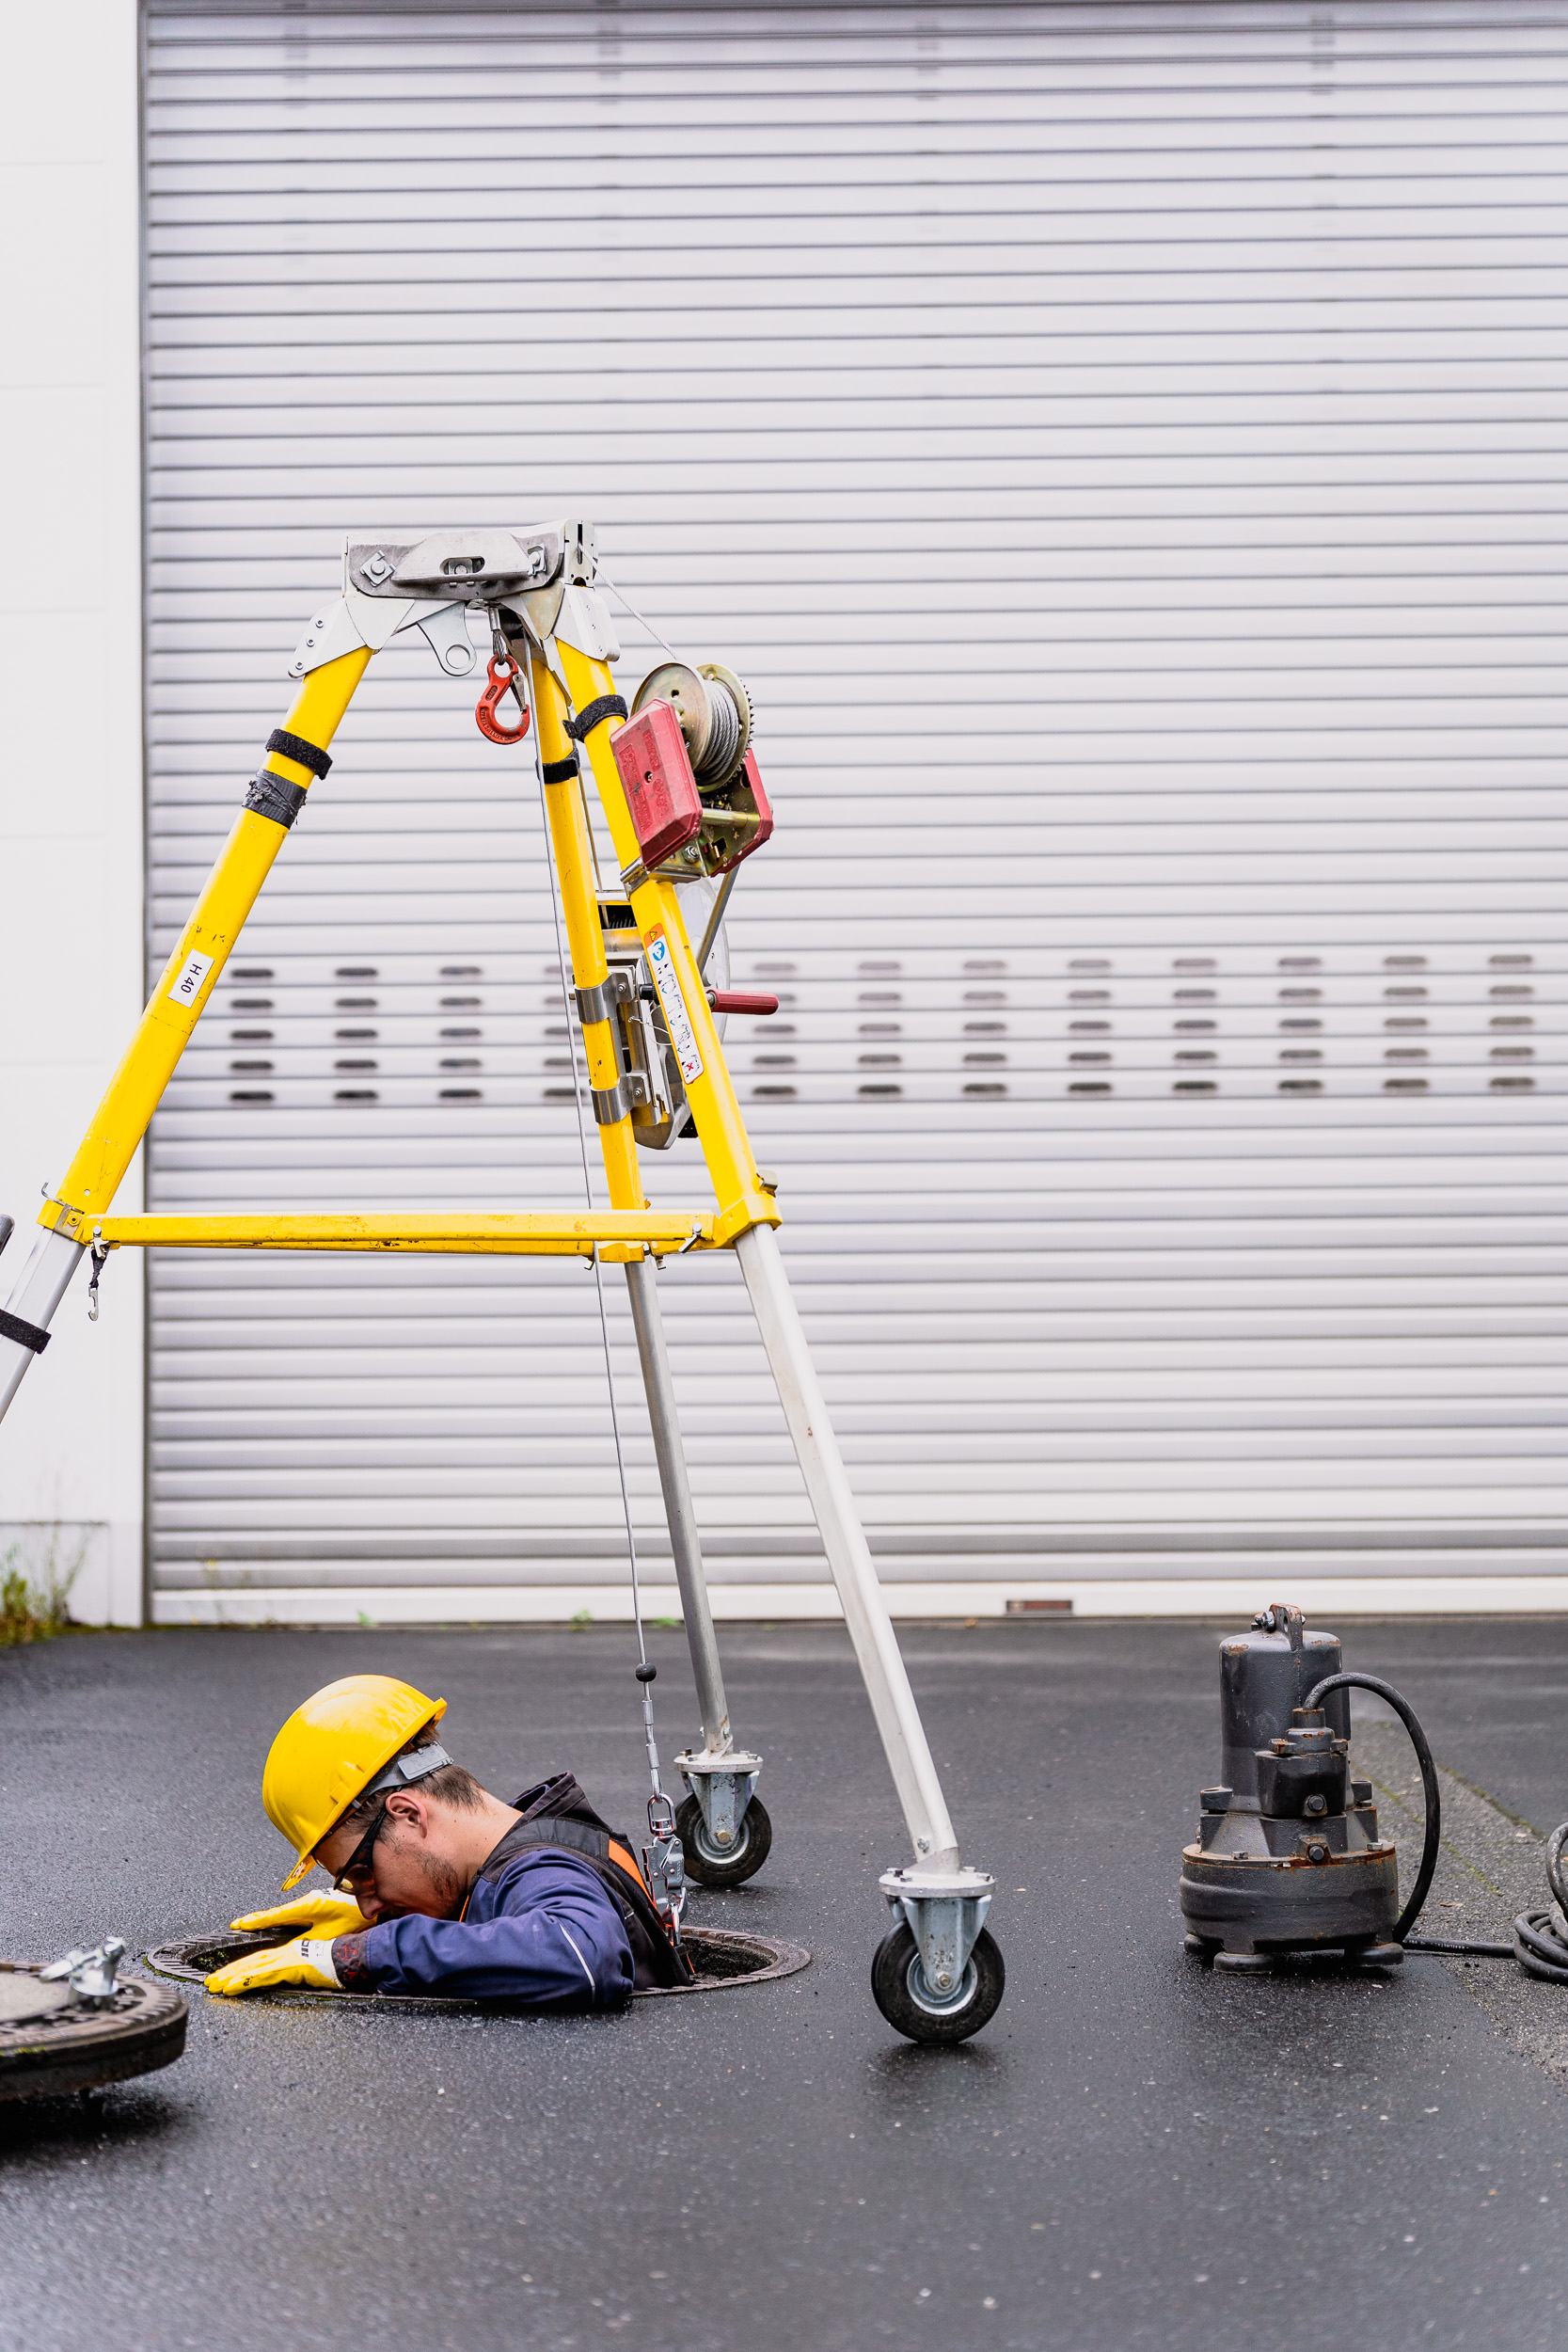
(71, 1450)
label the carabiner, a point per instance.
(504, 674)
(99, 1260)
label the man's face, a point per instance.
(412, 1866)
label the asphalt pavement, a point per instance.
(1134, 2152)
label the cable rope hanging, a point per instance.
(645, 626)
(666, 1866)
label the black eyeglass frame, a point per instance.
(359, 1870)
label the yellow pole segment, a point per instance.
(507, 1233)
(573, 863)
(721, 1129)
(192, 971)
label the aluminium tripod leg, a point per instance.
(684, 1540)
(172, 1010)
(875, 1644)
(723, 1827)
(937, 1976)
(749, 1215)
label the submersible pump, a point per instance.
(1289, 1856)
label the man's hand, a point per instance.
(307, 1960)
(325, 1914)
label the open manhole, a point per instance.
(51, 2043)
(722, 1957)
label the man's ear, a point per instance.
(409, 1811)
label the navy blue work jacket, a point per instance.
(544, 1930)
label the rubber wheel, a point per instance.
(914, 2008)
(724, 1865)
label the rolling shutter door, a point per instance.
(1119, 447)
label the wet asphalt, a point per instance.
(1133, 2153)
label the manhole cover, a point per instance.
(51, 2044)
(723, 1959)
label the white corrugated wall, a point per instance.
(1120, 446)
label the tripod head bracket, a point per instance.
(479, 567)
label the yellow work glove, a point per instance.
(325, 1914)
(307, 1960)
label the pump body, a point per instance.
(1288, 1856)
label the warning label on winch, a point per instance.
(677, 1020)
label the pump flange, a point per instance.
(1288, 1856)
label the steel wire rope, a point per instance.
(1540, 1944)
(621, 598)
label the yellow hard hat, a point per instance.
(331, 1748)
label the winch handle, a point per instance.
(1406, 1714)
(741, 1000)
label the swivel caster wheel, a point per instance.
(724, 1865)
(915, 2008)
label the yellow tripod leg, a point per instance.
(721, 1129)
(573, 863)
(187, 982)
(192, 971)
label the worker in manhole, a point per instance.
(438, 1886)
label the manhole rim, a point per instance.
(783, 1958)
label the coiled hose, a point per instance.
(1539, 1942)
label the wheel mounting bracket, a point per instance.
(723, 1786)
(945, 1910)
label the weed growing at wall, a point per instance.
(34, 1608)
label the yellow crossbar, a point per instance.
(504, 1232)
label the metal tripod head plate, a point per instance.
(464, 566)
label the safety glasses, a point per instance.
(359, 1870)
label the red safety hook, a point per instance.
(504, 672)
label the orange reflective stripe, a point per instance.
(627, 1860)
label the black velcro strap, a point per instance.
(276, 796)
(608, 707)
(560, 771)
(12, 1328)
(296, 747)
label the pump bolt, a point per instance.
(1316, 1805)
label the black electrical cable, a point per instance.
(1406, 1714)
(1538, 1946)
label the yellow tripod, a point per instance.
(680, 794)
